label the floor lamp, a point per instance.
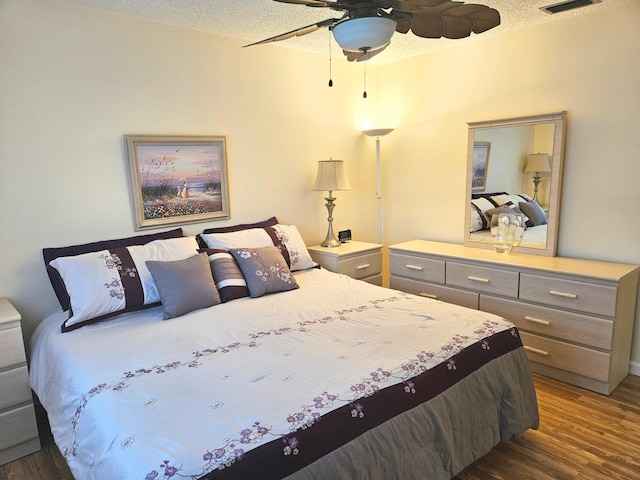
(378, 132)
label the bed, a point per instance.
(484, 205)
(320, 376)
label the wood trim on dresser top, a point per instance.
(575, 316)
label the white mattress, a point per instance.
(135, 395)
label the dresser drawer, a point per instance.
(417, 268)
(11, 347)
(572, 358)
(570, 294)
(361, 266)
(437, 292)
(577, 328)
(14, 387)
(482, 279)
(375, 280)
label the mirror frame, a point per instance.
(555, 188)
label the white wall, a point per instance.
(74, 80)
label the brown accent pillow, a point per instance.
(226, 274)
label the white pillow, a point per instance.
(249, 238)
(108, 282)
(159, 250)
(286, 237)
(298, 254)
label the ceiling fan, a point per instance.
(366, 26)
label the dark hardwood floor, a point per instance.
(582, 435)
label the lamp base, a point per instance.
(330, 241)
(330, 244)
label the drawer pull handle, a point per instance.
(537, 320)
(563, 294)
(536, 350)
(414, 267)
(363, 266)
(429, 295)
(478, 279)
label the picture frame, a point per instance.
(480, 166)
(177, 179)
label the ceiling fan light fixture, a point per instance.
(364, 33)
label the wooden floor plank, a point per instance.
(582, 436)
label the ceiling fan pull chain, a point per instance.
(330, 79)
(364, 93)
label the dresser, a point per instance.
(18, 428)
(575, 316)
(359, 260)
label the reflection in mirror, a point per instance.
(516, 163)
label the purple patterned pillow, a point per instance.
(265, 270)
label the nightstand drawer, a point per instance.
(14, 387)
(361, 266)
(574, 295)
(437, 292)
(417, 268)
(483, 279)
(11, 347)
(17, 426)
(577, 328)
(572, 358)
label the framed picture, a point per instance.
(177, 179)
(480, 166)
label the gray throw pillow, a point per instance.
(265, 270)
(534, 212)
(184, 285)
(508, 208)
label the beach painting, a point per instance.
(480, 166)
(177, 179)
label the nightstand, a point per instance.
(18, 427)
(359, 260)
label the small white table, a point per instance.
(359, 260)
(18, 427)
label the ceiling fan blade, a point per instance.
(444, 18)
(309, 3)
(336, 5)
(415, 5)
(297, 32)
(362, 56)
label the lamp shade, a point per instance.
(377, 132)
(364, 33)
(538, 162)
(331, 176)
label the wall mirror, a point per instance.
(517, 160)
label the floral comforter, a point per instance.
(258, 386)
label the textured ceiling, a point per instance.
(255, 20)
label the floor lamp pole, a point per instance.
(379, 189)
(378, 132)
